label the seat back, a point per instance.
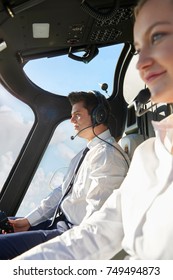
(132, 136)
(130, 142)
(138, 129)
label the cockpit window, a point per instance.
(61, 75)
(132, 82)
(16, 120)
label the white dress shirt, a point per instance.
(102, 171)
(136, 217)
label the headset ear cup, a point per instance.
(99, 115)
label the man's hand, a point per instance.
(21, 224)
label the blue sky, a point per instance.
(62, 75)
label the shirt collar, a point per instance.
(104, 135)
(164, 130)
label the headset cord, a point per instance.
(116, 148)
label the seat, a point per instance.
(130, 142)
(132, 135)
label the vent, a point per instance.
(107, 29)
(106, 35)
(119, 16)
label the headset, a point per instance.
(101, 113)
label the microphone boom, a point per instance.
(73, 137)
(140, 113)
(143, 98)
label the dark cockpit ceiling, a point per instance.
(45, 28)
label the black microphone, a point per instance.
(143, 98)
(73, 137)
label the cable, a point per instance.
(97, 15)
(116, 148)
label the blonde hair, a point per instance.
(139, 5)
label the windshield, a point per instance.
(62, 75)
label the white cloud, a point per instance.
(65, 151)
(13, 130)
(6, 163)
(39, 188)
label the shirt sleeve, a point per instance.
(155, 240)
(97, 238)
(46, 208)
